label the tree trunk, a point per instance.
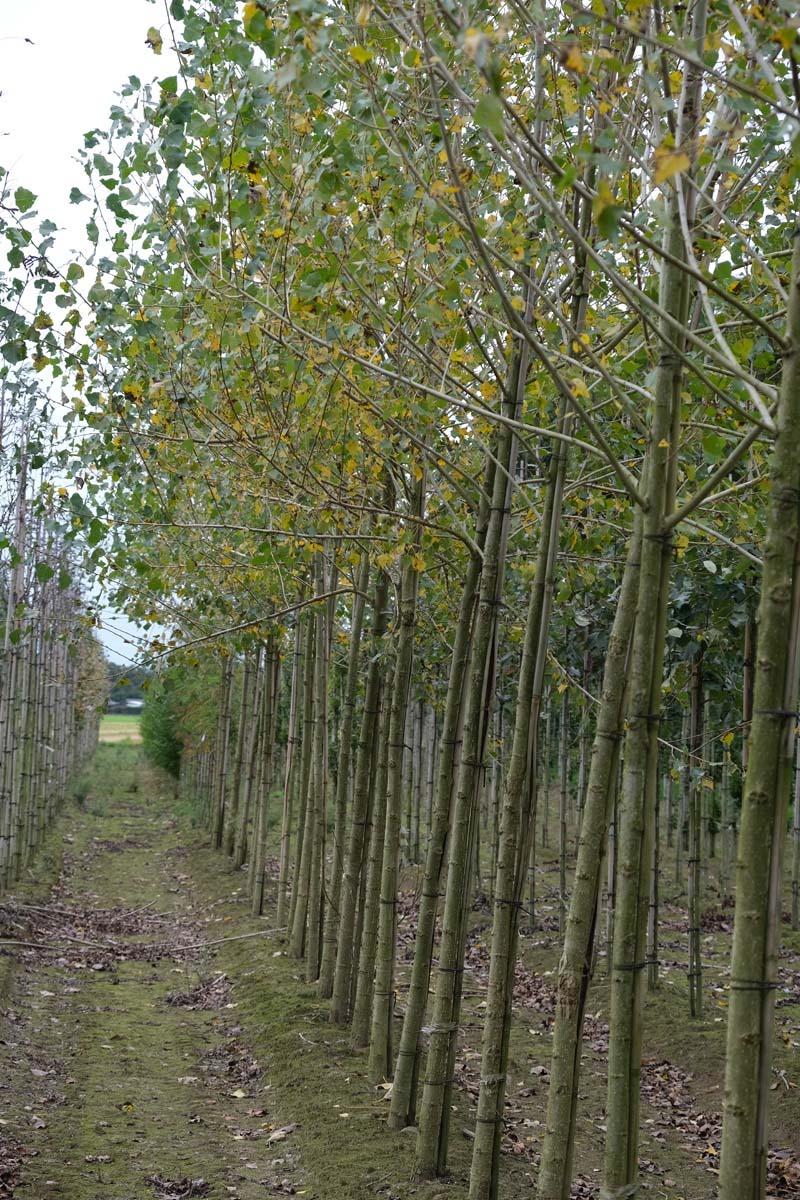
(517, 830)
(333, 912)
(431, 1153)
(574, 975)
(319, 782)
(290, 777)
(222, 746)
(403, 1106)
(362, 1006)
(764, 804)
(232, 808)
(362, 791)
(695, 967)
(380, 1048)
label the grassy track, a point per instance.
(112, 1086)
(120, 727)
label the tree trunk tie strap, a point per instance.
(632, 966)
(752, 985)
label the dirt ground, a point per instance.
(159, 1043)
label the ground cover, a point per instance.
(120, 727)
(159, 1041)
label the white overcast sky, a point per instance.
(53, 92)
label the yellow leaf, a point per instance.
(562, 687)
(154, 40)
(418, 562)
(573, 60)
(708, 783)
(786, 36)
(442, 156)
(277, 233)
(663, 444)
(250, 10)
(363, 14)
(579, 388)
(360, 53)
(669, 162)
(727, 738)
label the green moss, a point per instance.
(122, 1045)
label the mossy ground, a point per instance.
(118, 1052)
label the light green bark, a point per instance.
(575, 968)
(403, 1106)
(365, 976)
(380, 1046)
(431, 1155)
(362, 792)
(333, 908)
(765, 800)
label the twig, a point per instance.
(235, 937)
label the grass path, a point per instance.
(117, 1093)
(137, 1066)
(120, 727)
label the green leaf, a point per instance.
(15, 352)
(489, 114)
(24, 199)
(96, 532)
(43, 572)
(64, 579)
(713, 446)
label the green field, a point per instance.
(120, 727)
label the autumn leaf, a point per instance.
(668, 162)
(360, 53)
(154, 40)
(573, 60)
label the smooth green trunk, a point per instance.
(764, 804)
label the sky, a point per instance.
(52, 92)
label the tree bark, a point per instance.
(764, 804)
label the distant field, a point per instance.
(119, 727)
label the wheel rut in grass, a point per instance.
(123, 1072)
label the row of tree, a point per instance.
(52, 669)
(445, 355)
